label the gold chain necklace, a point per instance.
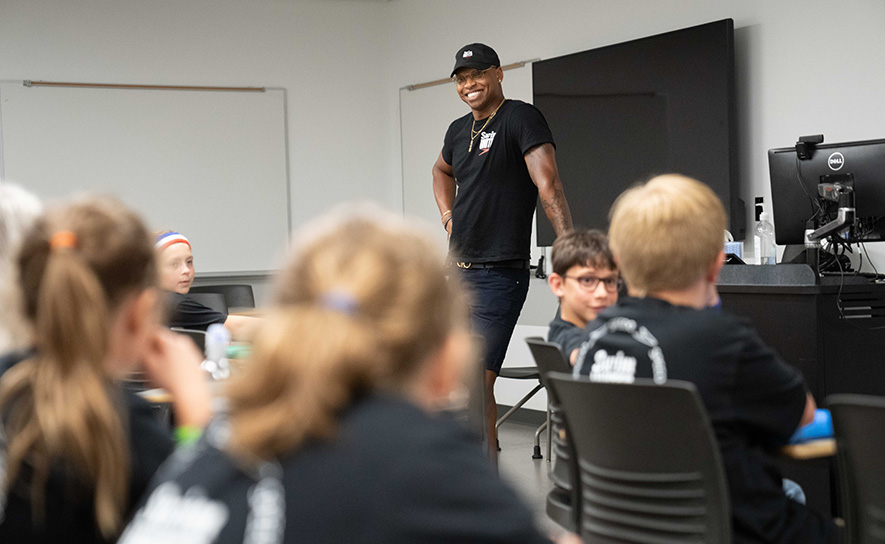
(474, 133)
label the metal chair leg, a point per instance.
(537, 452)
(517, 406)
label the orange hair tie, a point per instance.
(63, 239)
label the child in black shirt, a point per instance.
(666, 237)
(585, 279)
(333, 434)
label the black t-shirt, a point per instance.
(754, 400)
(565, 333)
(69, 512)
(186, 313)
(392, 474)
(493, 208)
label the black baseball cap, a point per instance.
(475, 55)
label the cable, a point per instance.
(842, 309)
(863, 246)
(803, 185)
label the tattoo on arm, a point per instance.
(557, 211)
(541, 162)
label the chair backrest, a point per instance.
(649, 465)
(859, 425)
(549, 358)
(199, 337)
(214, 301)
(235, 295)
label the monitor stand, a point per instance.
(794, 253)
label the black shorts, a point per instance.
(497, 296)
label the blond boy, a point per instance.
(666, 238)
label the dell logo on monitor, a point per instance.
(836, 161)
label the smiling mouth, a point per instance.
(473, 94)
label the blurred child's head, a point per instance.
(87, 273)
(666, 234)
(363, 305)
(175, 262)
(77, 267)
(584, 276)
(18, 210)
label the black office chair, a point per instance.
(649, 465)
(215, 301)
(563, 501)
(549, 358)
(235, 295)
(524, 373)
(859, 425)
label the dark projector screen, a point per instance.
(625, 112)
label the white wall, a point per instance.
(328, 55)
(803, 66)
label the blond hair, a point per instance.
(361, 306)
(76, 267)
(666, 233)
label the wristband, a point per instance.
(446, 224)
(186, 435)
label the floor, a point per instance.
(530, 477)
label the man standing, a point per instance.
(500, 157)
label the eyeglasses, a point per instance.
(461, 79)
(590, 283)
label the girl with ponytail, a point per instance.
(76, 449)
(333, 432)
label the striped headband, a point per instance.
(167, 239)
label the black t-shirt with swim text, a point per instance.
(391, 473)
(755, 401)
(495, 200)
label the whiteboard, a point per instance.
(209, 164)
(425, 114)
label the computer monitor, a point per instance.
(794, 188)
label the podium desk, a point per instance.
(832, 329)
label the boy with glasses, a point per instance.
(585, 279)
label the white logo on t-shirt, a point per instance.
(485, 142)
(172, 516)
(617, 368)
(621, 368)
(267, 512)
